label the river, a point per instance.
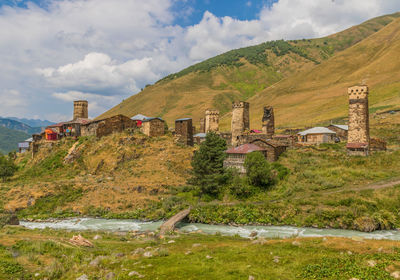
(93, 224)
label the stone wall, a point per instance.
(212, 121)
(184, 131)
(340, 133)
(202, 125)
(268, 121)
(236, 161)
(240, 120)
(273, 149)
(80, 109)
(153, 128)
(107, 126)
(377, 144)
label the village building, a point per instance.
(285, 139)
(268, 122)
(107, 126)
(273, 149)
(153, 127)
(202, 125)
(341, 131)
(51, 134)
(139, 118)
(237, 155)
(240, 120)
(211, 120)
(199, 138)
(358, 134)
(81, 109)
(184, 131)
(316, 135)
(25, 145)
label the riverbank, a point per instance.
(39, 254)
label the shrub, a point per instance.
(7, 167)
(258, 170)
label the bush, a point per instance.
(258, 170)
(7, 167)
(208, 165)
(241, 188)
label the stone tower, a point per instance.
(80, 109)
(268, 122)
(240, 120)
(184, 131)
(212, 120)
(358, 134)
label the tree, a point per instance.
(7, 167)
(258, 170)
(208, 165)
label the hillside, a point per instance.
(241, 74)
(32, 122)
(319, 95)
(17, 125)
(9, 139)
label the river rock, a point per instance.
(97, 261)
(110, 276)
(253, 234)
(148, 254)
(395, 274)
(171, 241)
(371, 263)
(135, 273)
(276, 259)
(251, 277)
(208, 257)
(80, 241)
(138, 251)
(83, 277)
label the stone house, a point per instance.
(237, 155)
(184, 131)
(139, 118)
(316, 135)
(341, 131)
(153, 127)
(273, 149)
(73, 128)
(107, 126)
(25, 145)
(199, 138)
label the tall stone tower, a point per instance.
(240, 120)
(268, 122)
(358, 135)
(212, 120)
(80, 109)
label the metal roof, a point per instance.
(29, 140)
(184, 119)
(139, 117)
(150, 119)
(341, 126)
(244, 149)
(317, 130)
(201, 135)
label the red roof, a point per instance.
(244, 149)
(357, 145)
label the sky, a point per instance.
(55, 51)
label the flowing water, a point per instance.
(243, 231)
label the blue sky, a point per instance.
(57, 51)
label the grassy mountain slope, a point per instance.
(17, 125)
(320, 94)
(9, 139)
(239, 74)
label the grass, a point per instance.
(23, 253)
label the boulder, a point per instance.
(78, 240)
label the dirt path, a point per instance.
(375, 186)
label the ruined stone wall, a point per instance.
(202, 125)
(358, 115)
(80, 109)
(240, 120)
(377, 144)
(184, 131)
(153, 128)
(341, 133)
(212, 121)
(107, 126)
(268, 122)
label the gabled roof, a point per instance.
(244, 149)
(139, 117)
(151, 119)
(201, 135)
(341, 126)
(317, 130)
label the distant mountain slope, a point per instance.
(16, 125)
(240, 74)
(320, 94)
(9, 139)
(32, 122)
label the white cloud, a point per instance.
(108, 50)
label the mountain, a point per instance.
(9, 139)
(256, 74)
(32, 122)
(19, 126)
